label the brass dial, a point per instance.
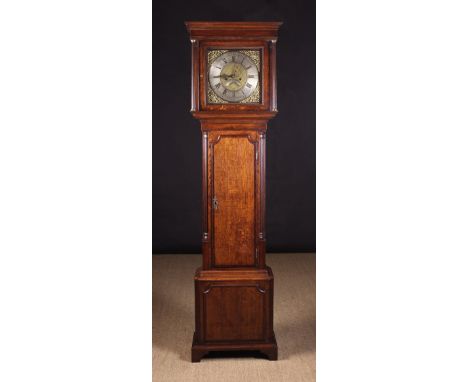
(233, 76)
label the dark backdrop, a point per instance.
(290, 169)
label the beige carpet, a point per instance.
(294, 324)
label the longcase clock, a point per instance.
(233, 97)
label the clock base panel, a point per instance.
(234, 312)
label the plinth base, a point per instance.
(270, 349)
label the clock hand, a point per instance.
(224, 76)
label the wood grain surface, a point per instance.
(245, 301)
(234, 190)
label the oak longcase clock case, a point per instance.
(233, 97)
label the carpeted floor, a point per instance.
(294, 324)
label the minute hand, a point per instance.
(225, 76)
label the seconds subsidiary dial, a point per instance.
(233, 76)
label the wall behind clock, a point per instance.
(177, 139)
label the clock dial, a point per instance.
(233, 76)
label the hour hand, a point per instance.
(224, 76)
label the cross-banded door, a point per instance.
(233, 184)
